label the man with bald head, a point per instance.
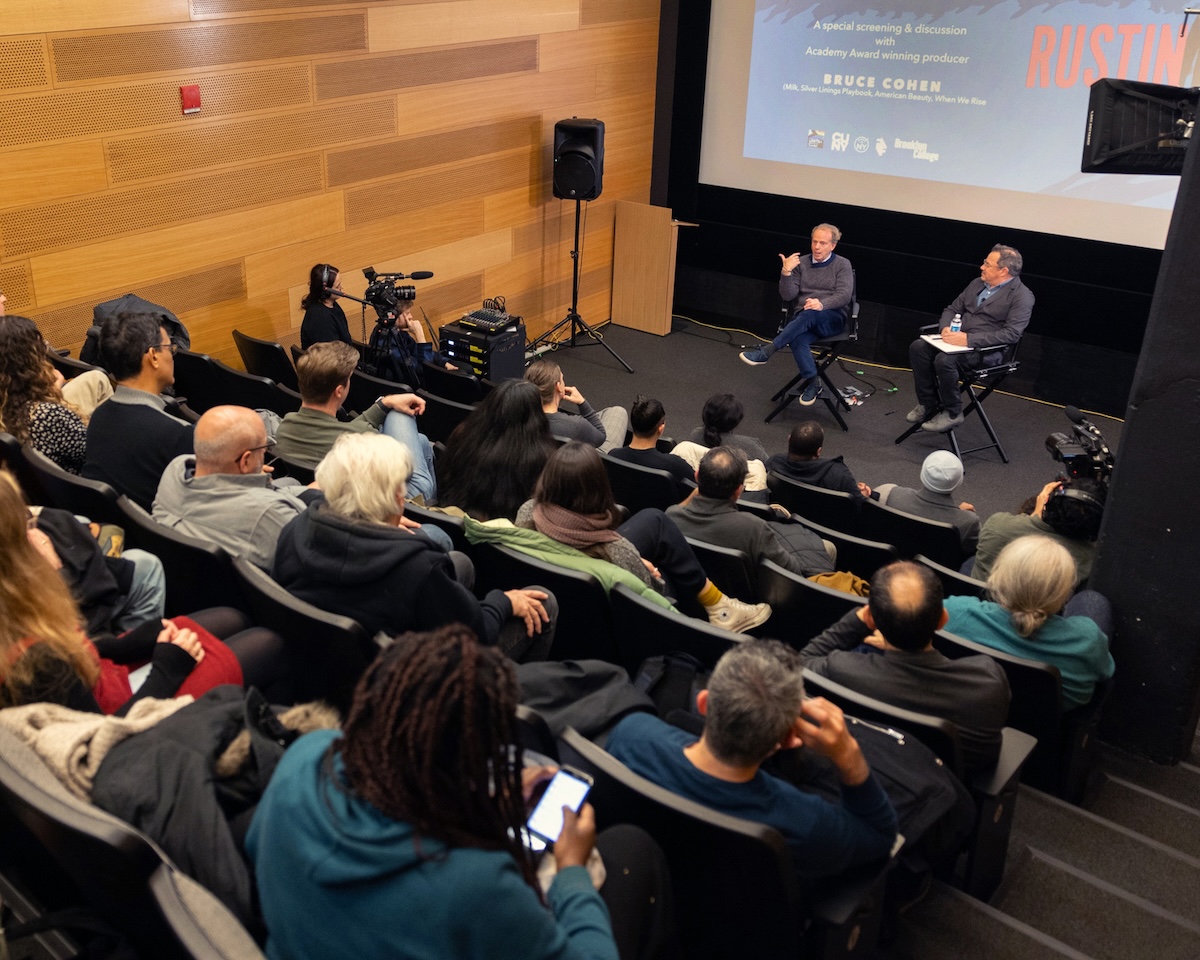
(898, 664)
(221, 494)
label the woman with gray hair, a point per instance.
(1032, 614)
(355, 553)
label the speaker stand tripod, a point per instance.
(579, 326)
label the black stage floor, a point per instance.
(694, 362)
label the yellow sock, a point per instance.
(710, 595)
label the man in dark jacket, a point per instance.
(803, 462)
(903, 613)
(711, 515)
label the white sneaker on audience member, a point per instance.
(736, 615)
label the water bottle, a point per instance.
(956, 323)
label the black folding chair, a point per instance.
(642, 628)
(62, 362)
(828, 350)
(804, 607)
(638, 487)
(459, 385)
(89, 858)
(584, 629)
(731, 570)
(199, 574)
(327, 652)
(207, 382)
(366, 389)
(830, 508)
(954, 584)
(266, 358)
(732, 878)
(52, 486)
(860, 556)
(994, 791)
(1001, 361)
(910, 534)
(441, 416)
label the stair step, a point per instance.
(949, 925)
(1149, 813)
(1095, 917)
(1113, 853)
(1180, 783)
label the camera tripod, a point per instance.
(579, 326)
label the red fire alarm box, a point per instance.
(190, 98)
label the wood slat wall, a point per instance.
(405, 135)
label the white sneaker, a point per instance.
(737, 616)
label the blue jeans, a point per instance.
(804, 329)
(403, 429)
(147, 594)
(1093, 605)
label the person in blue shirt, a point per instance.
(1029, 615)
(753, 706)
(400, 837)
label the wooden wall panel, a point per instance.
(41, 16)
(43, 173)
(595, 45)
(142, 257)
(15, 283)
(67, 326)
(74, 222)
(23, 64)
(558, 92)
(404, 134)
(285, 266)
(162, 154)
(414, 153)
(592, 12)
(466, 21)
(425, 68)
(78, 113)
(98, 56)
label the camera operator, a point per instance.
(1068, 511)
(407, 323)
(324, 319)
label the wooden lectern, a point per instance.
(643, 289)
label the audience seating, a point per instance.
(638, 487)
(803, 607)
(207, 382)
(533, 733)
(954, 584)
(731, 570)
(327, 652)
(459, 385)
(994, 791)
(736, 893)
(453, 525)
(441, 416)
(366, 389)
(832, 508)
(199, 574)
(911, 534)
(643, 629)
(1065, 740)
(988, 377)
(584, 628)
(52, 486)
(102, 863)
(265, 358)
(859, 556)
(70, 368)
(289, 468)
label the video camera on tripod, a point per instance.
(391, 353)
(384, 293)
(1083, 454)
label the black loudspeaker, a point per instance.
(578, 159)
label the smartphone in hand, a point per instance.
(568, 788)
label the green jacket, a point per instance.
(534, 544)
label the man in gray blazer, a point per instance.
(995, 310)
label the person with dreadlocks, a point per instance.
(401, 836)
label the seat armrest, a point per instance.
(848, 894)
(1015, 749)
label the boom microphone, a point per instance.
(1074, 414)
(420, 275)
